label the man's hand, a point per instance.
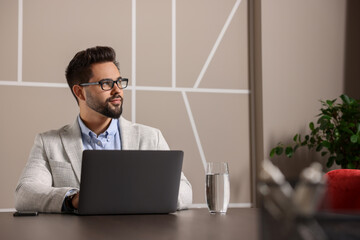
(75, 200)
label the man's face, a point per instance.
(108, 103)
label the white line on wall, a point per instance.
(20, 40)
(173, 44)
(133, 62)
(33, 84)
(131, 88)
(193, 126)
(217, 43)
(205, 90)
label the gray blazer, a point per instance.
(54, 165)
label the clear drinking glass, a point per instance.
(217, 187)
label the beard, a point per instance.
(105, 108)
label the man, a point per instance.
(50, 180)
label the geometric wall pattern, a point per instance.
(187, 62)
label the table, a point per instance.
(238, 223)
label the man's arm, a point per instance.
(35, 191)
(185, 190)
(185, 193)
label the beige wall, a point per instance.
(303, 50)
(8, 27)
(298, 52)
(34, 96)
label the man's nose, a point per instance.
(116, 89)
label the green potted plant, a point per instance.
(336, 135)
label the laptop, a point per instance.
(129, 182)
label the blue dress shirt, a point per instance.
(108, 140)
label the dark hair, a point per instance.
(79, 69)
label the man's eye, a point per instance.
(107, 83)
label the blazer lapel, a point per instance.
(71, 139)
(129, 135)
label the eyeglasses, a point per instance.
(108, 84)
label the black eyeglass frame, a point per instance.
(108, 80)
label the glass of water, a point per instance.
(217, 187)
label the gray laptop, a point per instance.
(129, 182)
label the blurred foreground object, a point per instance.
(288, 213)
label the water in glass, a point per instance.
(217, 192)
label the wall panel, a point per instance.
(153, 43)
(55, 30)
(8, 40)
(162, 46)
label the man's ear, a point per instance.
(78, 91)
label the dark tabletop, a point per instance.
(238, 223)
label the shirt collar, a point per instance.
(111, 130)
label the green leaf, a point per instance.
(345, 98)
(323, 153)
(354, 138)
(330, 161)
(326, 144)
(330, 103)
(311, 126)
(289, 152)
(326, 117)
(319, 148)
(358, 127)
(324, 124)
(279, 150)
(315, 131)
(272, 153)
(347, 130)
(295, 137)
